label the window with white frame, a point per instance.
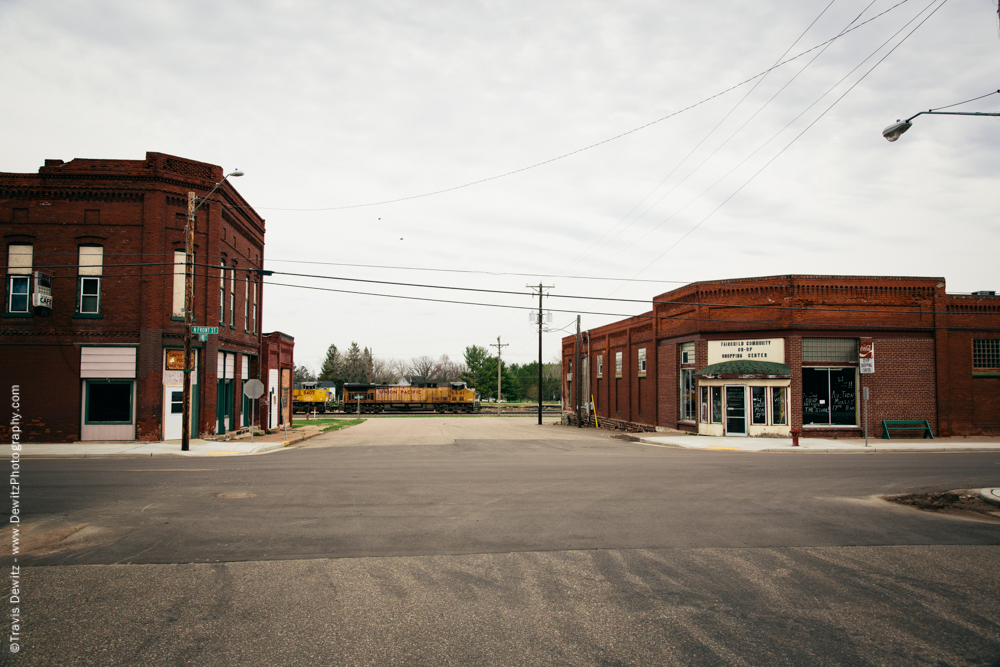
(253, 328)
(232, 296)
(600, 365)
(687, 353)
(246, 303)
(642, 362)
(618, 364)
(91, 268)
(222, 292)
(178, 297)
(19, 279)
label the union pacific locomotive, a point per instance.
(449, 397)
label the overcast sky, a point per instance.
(333, 107)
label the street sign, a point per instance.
(202, 336)
(204, 330)
(253, 388)
(866, 357)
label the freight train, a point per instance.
(451, 397)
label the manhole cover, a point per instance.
(236, 495)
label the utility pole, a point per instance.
(188, 308)
(193, 207)
(499, 348)
(541, 290)
(577, 376)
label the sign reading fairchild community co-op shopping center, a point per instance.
(757, 349)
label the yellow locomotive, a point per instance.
(452, 397)
(308, 397)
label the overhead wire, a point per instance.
(726, 141)
(579, 150)
(684, 159)
(806, 129)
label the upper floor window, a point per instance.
(600, 365)
(90, 271)
(222, 292)
(232, 295)
(253, 322)
(618, 364)
(642, 362)
(246, 303)
(19, 279)
(179, 267)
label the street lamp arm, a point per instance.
(216, 187)
(895, 130)
(954, 113)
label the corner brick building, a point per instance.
(101, 363)
(761, 356)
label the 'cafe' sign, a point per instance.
(747, 349)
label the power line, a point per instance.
(579, 150)
(647, 316)
(806, 129)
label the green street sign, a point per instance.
(202, 336)
(204, 330)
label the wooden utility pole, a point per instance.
(499, 348)
(188, 308)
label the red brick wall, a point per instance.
(50, 386)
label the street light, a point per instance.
(894, 131)
(193, 206)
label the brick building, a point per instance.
(101, 363)
(278, 375)
(761, 356)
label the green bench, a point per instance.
(906, 424)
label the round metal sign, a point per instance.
(253, 388)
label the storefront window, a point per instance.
(778, 414)
(108, 402)
(829, 396)
(688, 395)
(716, 405)
(758, 405)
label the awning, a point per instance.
(744, 368)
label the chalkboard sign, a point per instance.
(759, 405)
(843, 396)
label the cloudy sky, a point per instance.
(614, 149)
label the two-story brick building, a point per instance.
(761, 356)
(102, 243)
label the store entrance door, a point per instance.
(736, 409)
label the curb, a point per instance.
(991, 496)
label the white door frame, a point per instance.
(725, 411)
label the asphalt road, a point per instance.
(485, 541)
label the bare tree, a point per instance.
(422, 367)
(446, 370)
(384, 371)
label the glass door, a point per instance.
(736, 409)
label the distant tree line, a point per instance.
(479, 371)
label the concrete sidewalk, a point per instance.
(169, 448)
(974, 444)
